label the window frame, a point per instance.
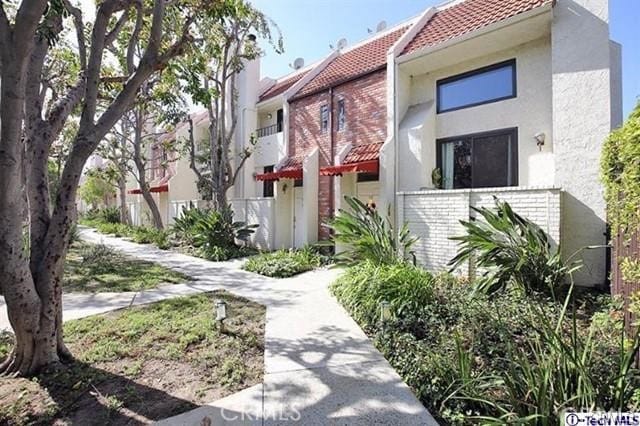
(342, 115)
(513, 179)
(268, 186)
(324, 127)
(477, 71)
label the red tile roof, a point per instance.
(362, 153)
(468, 16)
(358, 61)
(282, 86)
(291, 163)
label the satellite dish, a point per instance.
(298, 63)
(382, 25)
(342, 43)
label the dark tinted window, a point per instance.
(267, 186)
(489, 84)
(483, 160)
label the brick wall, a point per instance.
(435, 215)
(366, 115)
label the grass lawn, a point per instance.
(97, 268)
(143, 364)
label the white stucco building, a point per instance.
(511, 99)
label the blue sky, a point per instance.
(310, 26)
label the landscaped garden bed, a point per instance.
(143, 364)
(204, 233)
(98, 268)
(516, 345)
(285, 263)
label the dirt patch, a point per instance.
(143, 364)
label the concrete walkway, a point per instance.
(320, 368)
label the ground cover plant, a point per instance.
(285, 263)
(142, 364)
(98, 268)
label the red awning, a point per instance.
(281, 174)
(361, 159)
(290, 169)
(159, 188)
(161, 185)
(361, 167)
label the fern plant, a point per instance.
(366, 235)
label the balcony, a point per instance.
(269, 130)
(271, 147)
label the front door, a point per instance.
(298, 218)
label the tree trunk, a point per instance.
(122, 190)
(142, 177)
(35, 323)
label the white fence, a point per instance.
(260, 211)
(434, 216)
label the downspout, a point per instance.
(332, 154)
(396, 147)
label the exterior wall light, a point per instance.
(539, 137)
(221, 312)
(269, 116)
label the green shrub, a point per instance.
(369, 236)
(564, 369)
(456, 348)
(109, 215)
(215, 233)
(405, 287)
(98, 258)
(116, 229)
(184, 226)
(217, 228)
(510, 250)
(284, 263)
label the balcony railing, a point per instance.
(269, 130)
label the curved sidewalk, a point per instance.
(320, 368)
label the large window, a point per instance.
(481, 160)
(489, 84)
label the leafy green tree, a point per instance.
(101, 93)
(226, 43)
(97, 189)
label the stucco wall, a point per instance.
(530, 111)
(260, 211)
(434, 216)
(582, 120)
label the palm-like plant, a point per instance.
(510, 249)
(366, 235)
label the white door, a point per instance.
(298, 218)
